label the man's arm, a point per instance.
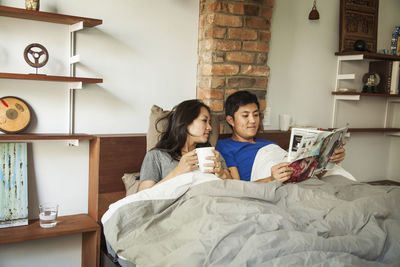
(281, 172)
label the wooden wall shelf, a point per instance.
(51, 78)
(47, 16)
(66, 225)
(22, 137)
(369, 55)
(363, 94)
(374, 130)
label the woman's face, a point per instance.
(200, 128)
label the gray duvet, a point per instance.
(330, 222)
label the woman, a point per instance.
(188, 127)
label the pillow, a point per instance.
(131, 182)
(153, 134)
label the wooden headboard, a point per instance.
(113, 155)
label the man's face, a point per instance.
(245, 122)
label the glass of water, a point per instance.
(48, 215)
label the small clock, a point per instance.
(15, 114)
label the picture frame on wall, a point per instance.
(358, 21)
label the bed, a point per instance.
(327, 222)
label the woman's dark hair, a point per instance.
(238, 99)
(181, 116)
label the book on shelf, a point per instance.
(13, 185)
(384, 69)
(310, 150)
(394, 84)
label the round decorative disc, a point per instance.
(15, 114)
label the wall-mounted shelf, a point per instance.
(47, 16)
(23, 137)
(40, 77)
(368, 55)
(66, 225)
(363, 94)
(374, 130)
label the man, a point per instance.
(242, 112)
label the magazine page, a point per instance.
(305, 143)
(310, 150)
(304, 150)
(335, 140)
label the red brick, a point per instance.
(236, 9)
(263, 104)
(251, 10)
(216, 33)
(258, 23)
(204, 82)
(241, 82)
(220, 69)
(265, 36)
(269, 3)
(256, 46)
(242, 34)
(255, 70)
(261, 83)
(205, 57)
(217, 82)
(240, 57)
(227, 45)
(267, 13)
(224, 20)
(211, 94)
(215, 105)
(216, 6)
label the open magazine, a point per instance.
(310, 150)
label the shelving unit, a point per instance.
(73, 224)
(75, 24)
(356, 96)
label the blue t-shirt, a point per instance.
(241, 154)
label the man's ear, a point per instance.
(229, 119)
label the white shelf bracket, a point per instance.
(74, 59)
(387, 111)
(75, 85)
(76, 27)
(334, 109)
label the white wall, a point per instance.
(303, 69)
(146, 52)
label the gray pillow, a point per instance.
(131, 182)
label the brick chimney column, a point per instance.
(233, 50)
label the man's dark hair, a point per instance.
(238, 99)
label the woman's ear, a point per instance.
(229, 119)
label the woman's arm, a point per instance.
(187, 163)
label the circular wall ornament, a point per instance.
(36, 55)
(15, 114)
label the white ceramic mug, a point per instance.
(202, 154)
(284, 122)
